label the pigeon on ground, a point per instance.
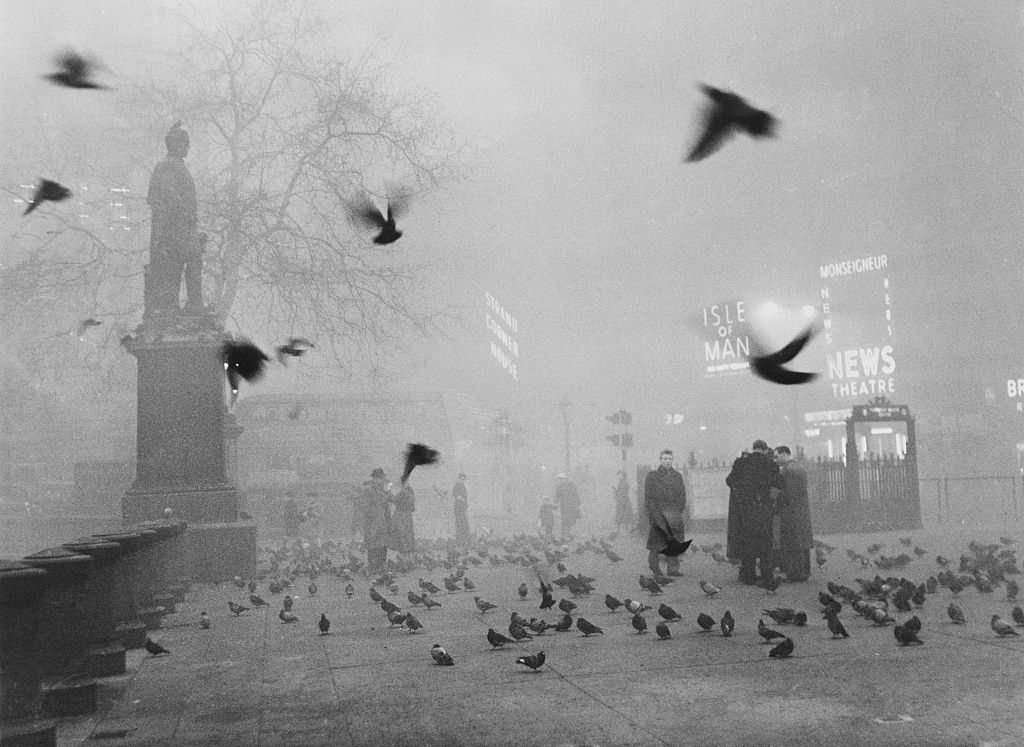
(533, 661)
(904, 636)
(483, 605)
(586, 627)
(349, 590)
(518, 632)
(1012, 589)
(800, 619)
(639, 623)
(496, 639)
(440, 656)
(412, 623)
(566, 606)
(287, 617)
(726, 113)
(663, 631)
(767, 633)
(155, 648)
(564, 624)
(668, 613)
(47, 191)
(835, 627)
(1002, 628)
(956, 614)
(636, 607)
(523, 590)
(417, 454)
(783, 650)
(1018, 615)
(706, 622)
(781, 615)
(709, 588)
(204, 621)
(287, 603)
(727, 624)
(611, 602)
(324, 624)
(237, 608)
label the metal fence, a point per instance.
(982, 499)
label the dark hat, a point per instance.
(378, 473)
(760, 445)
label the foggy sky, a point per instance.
(901, 134)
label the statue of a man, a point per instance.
(175, 246)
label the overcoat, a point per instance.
(749, 527)
(665, 507)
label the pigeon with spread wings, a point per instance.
(769, 366)
(242, 360)
(364, 213)
(725, 114)
(47, 191)
(417, 454)
(74, 70)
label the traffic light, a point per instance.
(613, 418)
(625, 417)
(615, 439)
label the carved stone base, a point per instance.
(218, 552)
(106, 661)
(131, 634)
(166, 602)
(39, 733)
(151, 617)
(72, 697)
(208, 504)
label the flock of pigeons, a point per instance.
(724, 115)
(881, 601)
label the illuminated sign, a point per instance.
(857, 315)
(726, 338)
(503, 326)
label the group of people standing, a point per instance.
(769, 525)
(769, 520)
(387, 519)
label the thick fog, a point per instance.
(564, 251)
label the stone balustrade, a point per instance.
(68, 614)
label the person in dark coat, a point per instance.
(460, 507)
(624, 517)
(403, 533)
(749, 529)
(794, 511)
(568, 499)
(665, 511)
(376, 521)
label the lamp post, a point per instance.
(566, 407)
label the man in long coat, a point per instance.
(460, 507)
(665, 509)
(567, 497)
(376, 521)
(749, 529)
(403, 533)
(795, 533)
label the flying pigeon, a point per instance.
(295, 347)
(363, 212)
(417, 454)
(47, 191)
(242, 360)
(675, 548)
(74, 71)
(724, 114)
(769, 366)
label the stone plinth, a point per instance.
(181, 454)
(105, 655)
(21, 614)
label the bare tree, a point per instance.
(283, 134)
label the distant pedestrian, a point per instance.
(568, 499)
(665, 510)
(547, 520)
(403, 533)
(751, 506)
(794, 511)
(376, 521)
(460, 507)
(624, 516)
(292, 517)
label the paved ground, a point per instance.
(252, 680)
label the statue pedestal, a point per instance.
(180, 444)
